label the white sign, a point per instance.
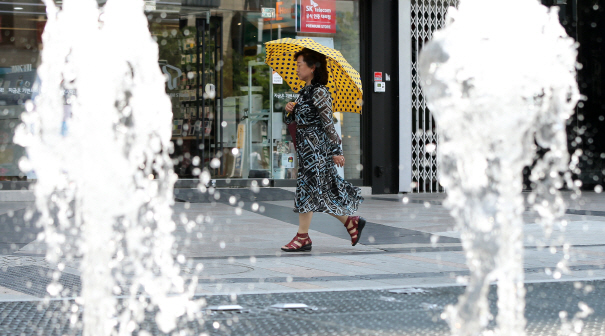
(150, 5)
(379, 87)
(21, 68)
(268, 13)
(287, 160)
(277, 78)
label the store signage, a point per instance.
(288, 96)
(17, 91)
(318, 16)
(279, 9)
(172, 78)
(287, 160)
(21, 68)
(277, 79)
(268, 13)
(378, 76)
(150, 5)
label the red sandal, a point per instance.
(300, 243)
(355, 227)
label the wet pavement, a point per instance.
(236, 235)
(413, 311)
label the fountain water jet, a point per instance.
(101, 154)
(500, 87)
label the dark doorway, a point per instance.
(585, 22)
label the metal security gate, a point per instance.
(426, 17)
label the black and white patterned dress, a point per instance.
(319, 188)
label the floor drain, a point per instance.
(225, 308)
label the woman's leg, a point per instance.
(301, 242)
(304, 222)
(342, 219)
(354, 227)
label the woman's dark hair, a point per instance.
(313, 58)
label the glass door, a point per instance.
(227, 104)
(258, 158)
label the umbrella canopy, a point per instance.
(344, 82)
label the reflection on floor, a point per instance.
(409, 241)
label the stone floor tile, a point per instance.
(301, 285)
(431, 261)
(7, 294)
(299, 271)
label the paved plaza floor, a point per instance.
(409, 242)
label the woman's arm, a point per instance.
(322, 100)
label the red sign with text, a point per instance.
(318, 16)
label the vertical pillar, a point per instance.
(405, 96)
(384, 106)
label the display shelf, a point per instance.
(230, 145)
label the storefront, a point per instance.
(21, 28)
(227, 103)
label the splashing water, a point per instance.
(98, 138)
(500, 87)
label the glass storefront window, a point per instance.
(21, 30)
(227, 104)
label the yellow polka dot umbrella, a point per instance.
(344, 82)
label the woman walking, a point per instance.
(319, 188)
